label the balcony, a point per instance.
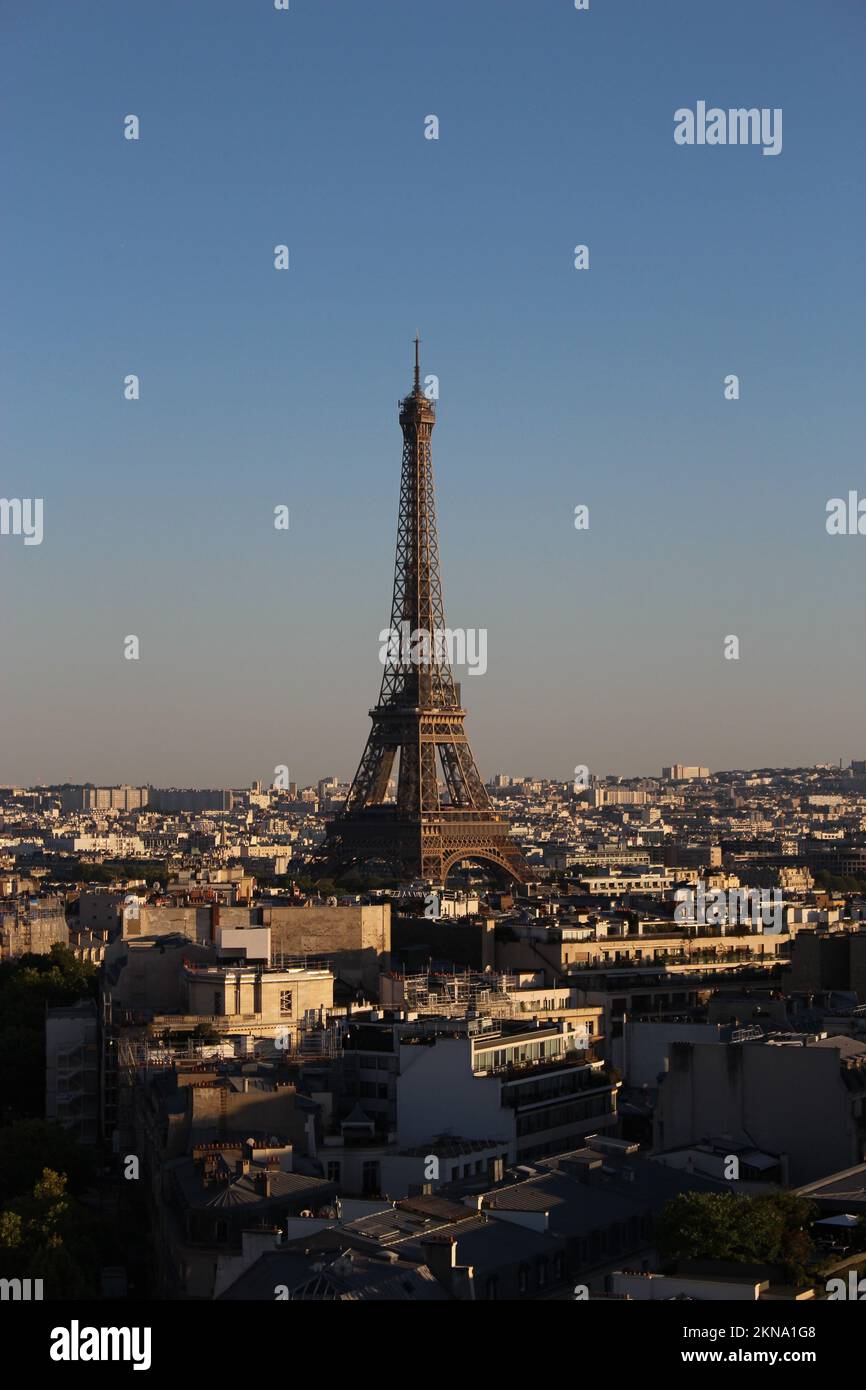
(571, 1063)
(222, 1023)
(556, 1091)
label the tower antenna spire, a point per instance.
(417, 362)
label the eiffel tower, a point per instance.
(424, 833)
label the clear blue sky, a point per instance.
(558, 387)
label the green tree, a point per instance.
(206, 1033)
(30, 1146)
(28, 986)
(42, 1236)
(772, 1229)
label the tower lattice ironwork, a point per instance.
(430, 826)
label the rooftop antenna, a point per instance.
(417, 364)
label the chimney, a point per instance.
(440, 1255)
(263, 1183)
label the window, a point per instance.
(523, 1278)
(542, 1273)
(491, 1286)
(285, 1003)
(370, 1176)
(334, 1169)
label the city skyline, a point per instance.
(504, 778)
(479, 918)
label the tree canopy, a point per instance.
(771, 1229)
(29, 985)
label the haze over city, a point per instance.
(558, 388)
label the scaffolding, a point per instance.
(465, 993)
(141, 1050)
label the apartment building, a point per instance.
(744, 1089)
(265, 1002)
(563, 950)
(537, 1088)
(72, 1069)
(90, 798)
(31, 926)
(829, 958)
